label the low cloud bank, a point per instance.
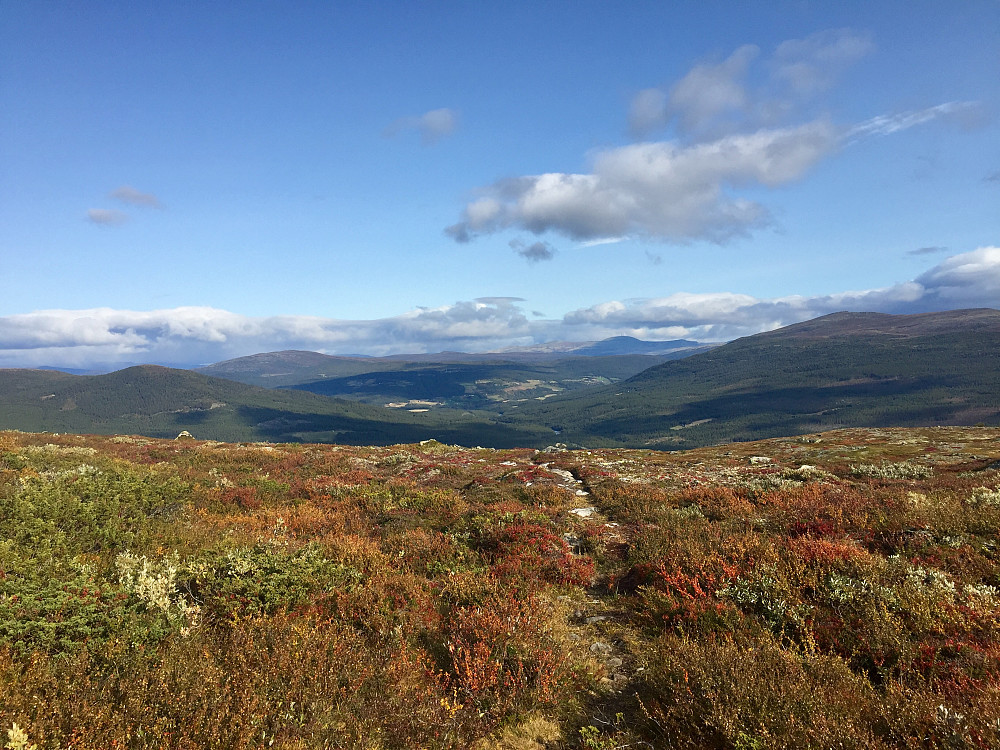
(186, 336)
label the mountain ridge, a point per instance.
(830, 372)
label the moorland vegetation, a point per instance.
(833, 590)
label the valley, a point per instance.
(841, 370)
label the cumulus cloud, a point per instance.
(733, 133)
(728, 140)
(535, 252)
(432, 126)
(707, 93)
(648, 112)
(199, 335)
(106, 217)
(128, 194)
(662, 190)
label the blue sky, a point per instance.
(185, 182)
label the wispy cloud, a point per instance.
(709, 94)
(927, 250)
(432, 126)
(889, 124)
(128, 194)
(811, 65)
(603, 241)
(106, 217)
(747, 91)
(200, 335)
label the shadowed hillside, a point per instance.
(161, 402)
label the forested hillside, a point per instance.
(847, 369)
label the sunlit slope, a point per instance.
(846, 369)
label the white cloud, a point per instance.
(106, 217)
(811, 65)
(710, 92)
(730, 137)
(746, 92)
(432, 126)
(967, 280)
(192, 335)
(889, 124)
(663, 191)
(128, 194)
(200, 335)
(648, 111)
(727, 139)
(603, 241)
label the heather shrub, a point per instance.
(254, 596)
(524, 552)
(503, 656)
(263, 579)
(722, 693)
(688, 602)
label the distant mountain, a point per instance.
(454, 379)
(617, 345)
(629, 345)
(277, 369)
(294, 368)
(841, 370)
(161, 402)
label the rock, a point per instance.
(584, 512)
(184, 435)
(600, 648)
(614, 662)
